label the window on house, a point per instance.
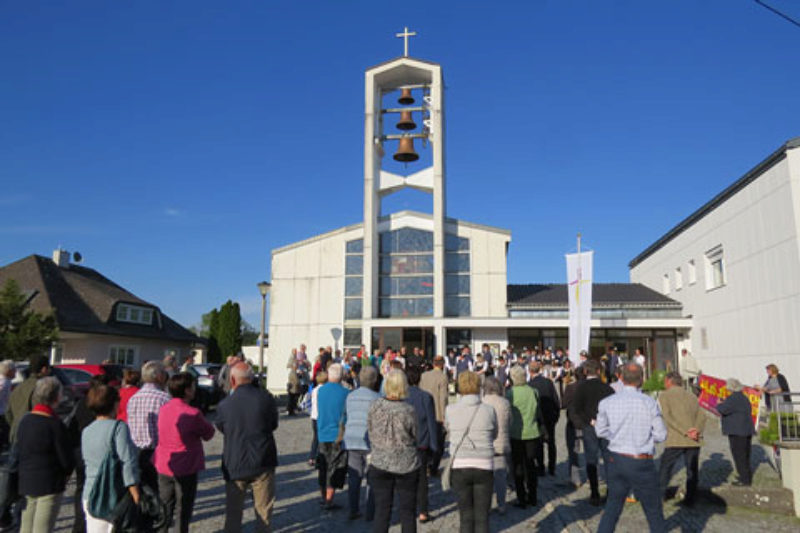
(134, 314)
(678, 279)
(692, 271)
(122, 355)
(715, 268)
(665, 284)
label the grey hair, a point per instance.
(47, 391)
(491, 385)
(335, 373)
(632, 374)
(152, 371)
(734, 385)
(518, 375)
(242, 373)
(7, 366)
(368, 377)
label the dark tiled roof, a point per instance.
(83, 300)
(603, 294)
(775, 157)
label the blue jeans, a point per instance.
(356, 471)
(626, 474)
(594, 447)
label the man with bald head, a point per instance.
(247, 419)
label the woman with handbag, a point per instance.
(394, 463)
(106, 443)
(45, 458)
(179, 456)
(472, 430)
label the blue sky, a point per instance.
(175, 144)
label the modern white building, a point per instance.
(426, 280)
(734, 264)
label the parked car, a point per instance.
(208, 391)
(83, 373)
(72, 392)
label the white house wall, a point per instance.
(754, 319)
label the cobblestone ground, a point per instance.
(561, 507)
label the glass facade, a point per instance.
(456, 278)
(406, 268)
(354, 280)
(406, 265)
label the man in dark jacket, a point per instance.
(20, 401)
(588, 395)
(248, 419)
(427, 433)
(551, 411)
(737, 424)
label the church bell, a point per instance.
(405, 151)
(405, 97)
(406, 122)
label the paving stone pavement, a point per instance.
(561, 507)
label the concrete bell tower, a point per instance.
(419, 88)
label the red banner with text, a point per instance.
(713, 391)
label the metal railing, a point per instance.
(785, 413)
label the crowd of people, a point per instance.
(385, 417)
(136, 450)
(381, 423)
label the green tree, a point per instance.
(210, 327)
(229, 329)
(23, 332)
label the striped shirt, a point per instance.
(631, 422)
(143, 410)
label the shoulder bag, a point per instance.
(449, 467)
(108, 486)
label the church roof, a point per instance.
(603, 295)
(84, 301)
(774, 158)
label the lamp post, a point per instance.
(263, 288)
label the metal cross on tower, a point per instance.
(405, 35)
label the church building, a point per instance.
(423, 279)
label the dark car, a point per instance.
(72, 392)
(208, 391)
(83, 373)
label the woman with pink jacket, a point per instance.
(179, 456)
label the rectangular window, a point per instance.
(665, 284)
(354, 265)
(406, 240)
(456, 262)
(455, 284)
(354, 286)
(134, 314)
(122, 355)
(406, 307)
(456, 306)
(407, 264)
(678, 279)
(352, 337)
(715, 268)
(355, 247)
(692, 271)
(353, 308)
(454, 243)
(406, 285)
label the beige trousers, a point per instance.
(263, 499)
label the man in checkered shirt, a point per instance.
(143, 410)
(632, 424)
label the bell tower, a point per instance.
(403, 113)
